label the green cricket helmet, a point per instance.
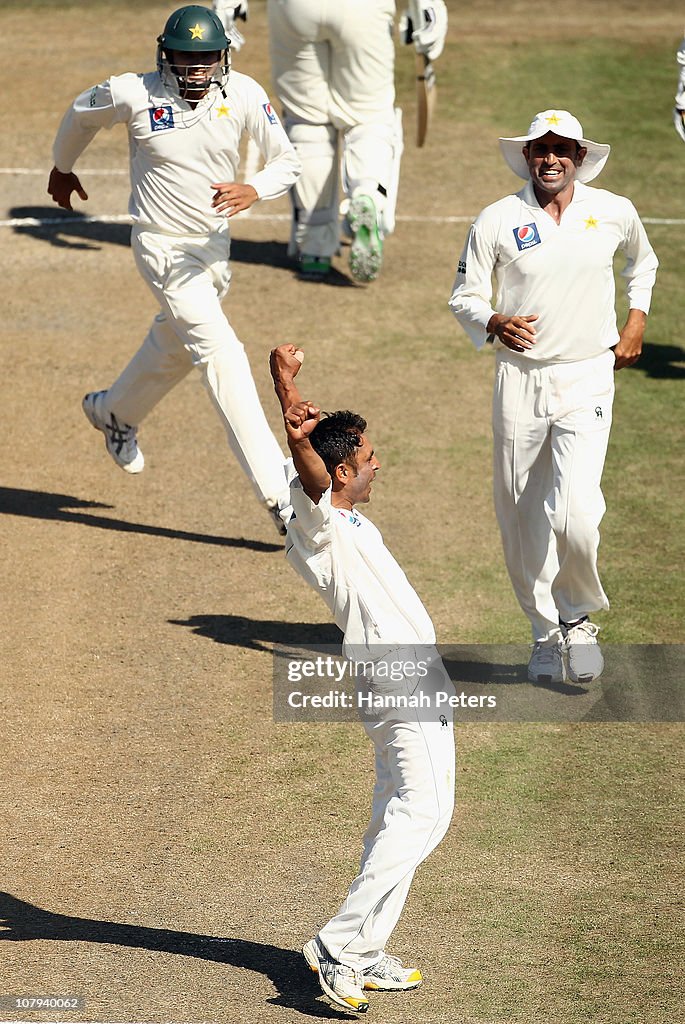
(193, 29)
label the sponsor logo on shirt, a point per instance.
(93, 96)
(352, 516)
(461, 267)
(270, 113)
(161, 118)
(526, 236)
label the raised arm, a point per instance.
(300, 417)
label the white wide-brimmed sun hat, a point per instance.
(561, 123)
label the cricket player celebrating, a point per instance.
(551, 247)
(341, 554)
(184, 123)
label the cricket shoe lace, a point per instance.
(585, 659)
(390, 975)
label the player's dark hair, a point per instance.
(337, 437)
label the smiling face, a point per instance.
(194, 71)
(552, 162)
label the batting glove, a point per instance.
(228, 12)
(424, 24)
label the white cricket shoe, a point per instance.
(585, 661)
(388, 975)
(342, 985)
(546, 664)
(366, 251)
(120, 438)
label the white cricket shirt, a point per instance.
(563, 272)
(341, 554)
(177, 153)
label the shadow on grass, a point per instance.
(260, 634)
(71, 229)
(43, 505)
(285, 969)
(464, 665)
(489, 672)
(664, 362)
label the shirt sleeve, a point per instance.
(641, 262)
(472, 292)
(311, 522)
(92, 110)
(281, 164)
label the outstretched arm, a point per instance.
(300, 418)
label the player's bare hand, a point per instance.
(516, 332)
(285, 362)
(300, 420)
(629, 348)
(231, 198)
(61, 185)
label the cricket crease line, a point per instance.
(124, 218)
(250, 166)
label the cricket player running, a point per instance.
(551, 247)
(333, 64)
(184, 124)
(341, 554)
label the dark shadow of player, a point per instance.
(295, 987)
(15, 501)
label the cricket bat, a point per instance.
(426, 95)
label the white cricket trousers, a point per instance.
(551, 427)
(333, 68)
(413, 801)
(189, 277)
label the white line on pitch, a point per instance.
(45, 171)
(123, 218)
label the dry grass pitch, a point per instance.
(166, 847)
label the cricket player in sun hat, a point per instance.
(553, 323)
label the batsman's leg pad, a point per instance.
(314, 196)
